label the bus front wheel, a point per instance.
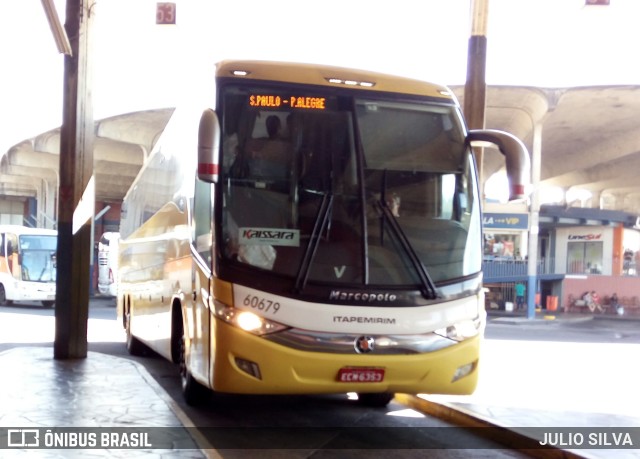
(376, 400)
(3, 297)
(48, 303)
(192, 391)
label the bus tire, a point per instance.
(135, 347)
(192, 391)
(376, 400)
(48, 303)
(3, 297)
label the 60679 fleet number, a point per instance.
(261, 304)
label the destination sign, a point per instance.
(295, 102)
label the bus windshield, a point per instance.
(38, 255)
(335, 189)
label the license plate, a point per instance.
(361, 375)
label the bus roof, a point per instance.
(330, 76)
(17, 229)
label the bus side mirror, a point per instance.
(516, 156)
(208, 146)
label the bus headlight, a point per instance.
(246, 320)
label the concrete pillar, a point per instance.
(619, 200)
(595, 200)
(76, 198)
(475, 87)
(618, 250)
(532, 266)
(47, 209)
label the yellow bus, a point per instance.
(27, 264)
(315, 230)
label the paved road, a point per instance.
(598, 330)
(537, 372)
(336, 421)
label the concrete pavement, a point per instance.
(108, 392)
(92, 395)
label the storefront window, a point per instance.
(584, 258)
(499, 246)
(630, 264)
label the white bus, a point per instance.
(326, 237)
(108, 263)
(27, 264)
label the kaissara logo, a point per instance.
(273, 236)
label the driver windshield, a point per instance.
(335, 189)
(38, 255)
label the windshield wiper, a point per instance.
(428, 288)
(322, 221)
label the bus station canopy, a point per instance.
(589, 141)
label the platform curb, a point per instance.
(465, 418)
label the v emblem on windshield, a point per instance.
(339, 271)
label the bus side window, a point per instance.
(202, 218)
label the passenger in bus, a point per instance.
(274, 126)
(287, 133)
(229, 148)
(270, 156)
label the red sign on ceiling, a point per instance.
(166, 13)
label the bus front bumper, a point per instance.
(247, 364)
(35, 291)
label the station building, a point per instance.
(579, 250)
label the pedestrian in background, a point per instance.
(520, 289)
(593, 301)
(615, 304)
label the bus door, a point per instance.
(198, 315)
(4, 262)
(11, 249)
